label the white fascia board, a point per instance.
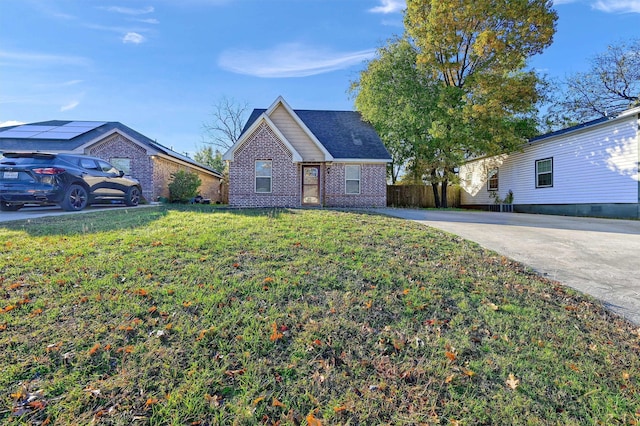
(281, 101)
(229, 155)
(147, 148)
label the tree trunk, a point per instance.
(444, 194)
(434, 186)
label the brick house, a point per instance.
(137, 155)
(296, 158)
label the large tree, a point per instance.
(611, 85)
(477, 52)
(397, 100)
(225, 125)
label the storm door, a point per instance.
(311, 185)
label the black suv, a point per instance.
(71, 181)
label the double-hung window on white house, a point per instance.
(544, 173)
(492, 181)
(352, 179)
(263, 176)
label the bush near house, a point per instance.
(183, 186)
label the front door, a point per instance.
(311, 185)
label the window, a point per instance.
(88, 163)
(107, 168)
(352, 179)
(492, 181)
(263, 176)
(544, 173)
(123, 164)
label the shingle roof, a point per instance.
(570, 129)
(343, 133)
(8, 144)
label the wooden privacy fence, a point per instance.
(419, 196)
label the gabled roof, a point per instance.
(97, 131)
(343, 135)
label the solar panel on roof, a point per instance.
(32, 128)
(64, 132)
(57, 135)
(88, 124)
(18, 134)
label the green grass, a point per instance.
(198, 316)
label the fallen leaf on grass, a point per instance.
(150, 402)
(54, 347)
(277, 403)
(469, 373)
(233, 373)
(275, 334)
(512, 382)
(450, 355)
(313, 421)
(94, 349)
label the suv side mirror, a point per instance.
(120, 173)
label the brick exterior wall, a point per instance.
(373, 187)
(154, 174)
(117, 146)
(162, 170)
(263, 144)
(286, 188)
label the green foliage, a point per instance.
(456, 87)
(183, 186)
(207, 156)
(397, 100)
(192, 315)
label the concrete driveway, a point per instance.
(600, 257)
(27, 213)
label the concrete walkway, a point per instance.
(600, 257)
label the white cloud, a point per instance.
(31, 58)
(289, 60)
(389, 6)
(11, 123)
(71, 105)
(148, 21)
(617, 6)
(128, 10)
(134, 38)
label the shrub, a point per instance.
(183, 186)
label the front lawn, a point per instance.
(197, 316)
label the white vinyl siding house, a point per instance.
(588, 170)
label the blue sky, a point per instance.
(159, 66)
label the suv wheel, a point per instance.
(132, 198)
(75, 199)
(6, 207)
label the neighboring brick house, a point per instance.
(296, 158)
(137, 155)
